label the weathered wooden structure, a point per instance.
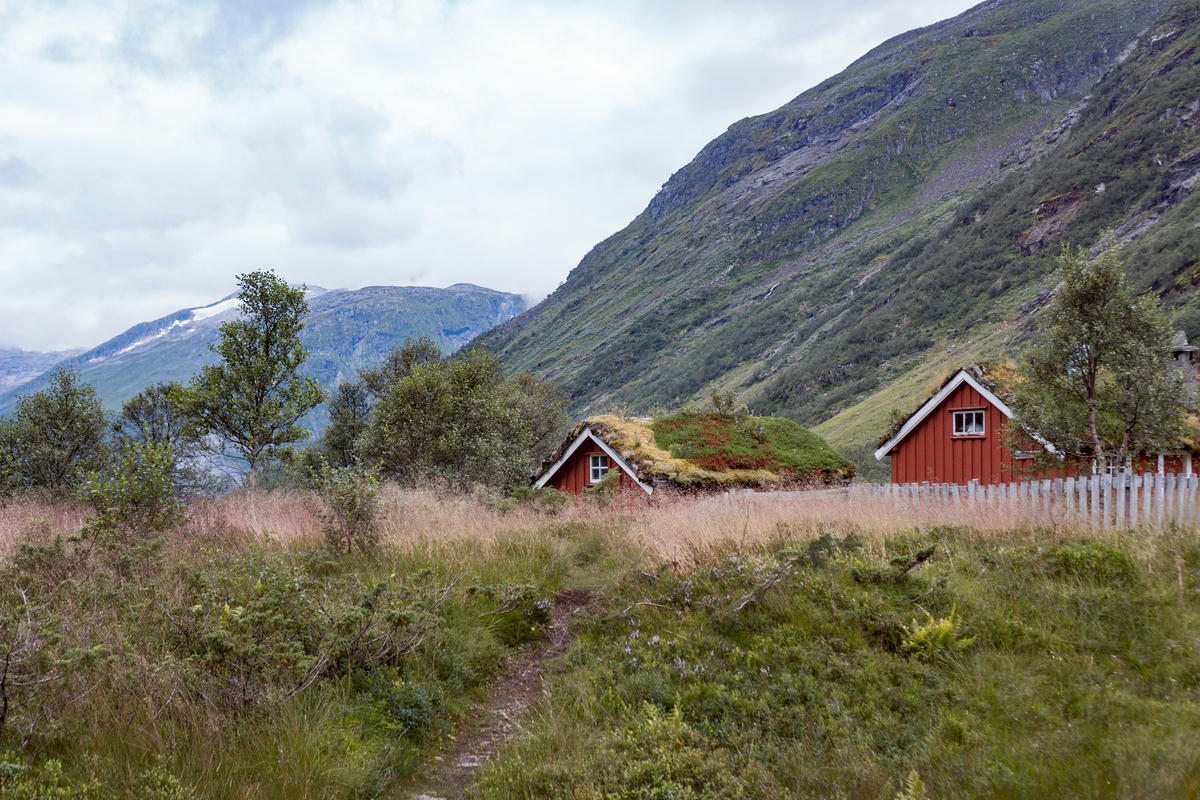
(585, 462)
(960, 435)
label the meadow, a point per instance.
(800, 645)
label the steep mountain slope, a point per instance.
(344, 330)
(911, 205)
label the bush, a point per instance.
(351, 513)
(1096, 562)
(135, 494)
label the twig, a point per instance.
(646, 603)
(916, 561)
(756, 594)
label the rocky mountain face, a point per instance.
(825, 260)
(344, 331)
(18, 366)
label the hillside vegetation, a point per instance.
(901, 212)
(804, 647)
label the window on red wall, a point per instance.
(598, 465)
(968, 423)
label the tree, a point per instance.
(351, 405)
(158, 415)
(399, 364)
(1098, 383)
(348, 411)
(55, 436)
(460, 419)
(252, 400)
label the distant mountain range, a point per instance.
(344, 331)
(19, 366)
(830, 260)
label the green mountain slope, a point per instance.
(344, 331)
(906, 209)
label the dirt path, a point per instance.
(449, 772)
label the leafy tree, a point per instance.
(348, 412)
(54, 437)
(542, 407)
(460, 419)
(351, 405)
(134, 496)
(399, 364)
(158, 415)
(252, 400)
(1098, 383)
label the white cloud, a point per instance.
(152, 150)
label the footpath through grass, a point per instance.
(759, 660)
(821, 668)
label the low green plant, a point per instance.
(1094, 561)
(936, 637)
(546, 499)
(603, 492)
(913, 788)
(351, 498)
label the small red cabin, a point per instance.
(584, 463)
(958, 435)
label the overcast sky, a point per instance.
(151, 151)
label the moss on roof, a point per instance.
(700, 450)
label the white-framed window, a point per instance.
(599, 466)
(968, 423)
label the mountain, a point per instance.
(18, 366)
(343, 331)
(827, 260)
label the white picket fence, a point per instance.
(1101, 501)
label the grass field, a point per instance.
(798, 646)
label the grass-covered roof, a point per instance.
(699, 450)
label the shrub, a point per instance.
(522, 611)
(545, 499)
(49, 780)
(1094, 561)
(351, 498)
(135, 494)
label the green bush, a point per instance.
(134, 495)
(1094, 561)
(48, 780)
(521, 614)
(351, 497)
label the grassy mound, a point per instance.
(703, 450)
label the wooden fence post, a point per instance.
(1094, 500)
(1133, 500)
(1159, 499)
(1147, 500)
(1119, 480)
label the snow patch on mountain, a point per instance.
(204, 312)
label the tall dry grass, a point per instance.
(36, 518)
(668, 528)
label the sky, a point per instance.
(152, 151)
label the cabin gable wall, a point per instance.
(931, 452)
(574, 476)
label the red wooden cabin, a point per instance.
(958, 435)
(584, 463)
